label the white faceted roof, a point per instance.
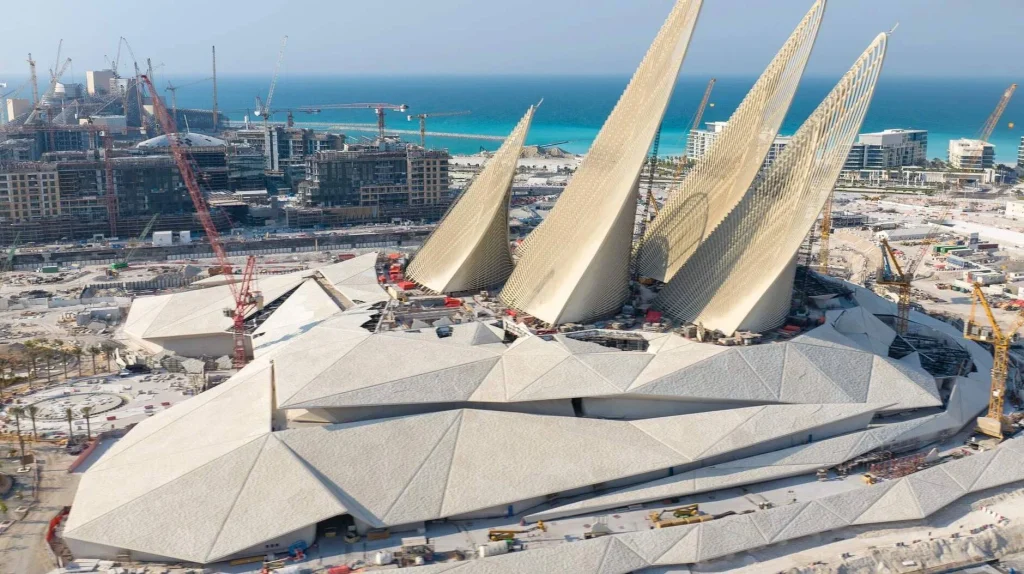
(910, 498)
(308, 305)
(198, 311)
(202, 480)
(356, 279)
(474, 365)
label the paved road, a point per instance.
(22, 547)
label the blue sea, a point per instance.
(575, 106)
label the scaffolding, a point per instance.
(897, 467)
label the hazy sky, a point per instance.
(349, 37)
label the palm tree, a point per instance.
(108, 351)
(77, 352)
(93, 351)
(32, 351)
(3, 377)
(17, 412)
(71, 431)
(86, 411)
(32, 411)
(63, 360)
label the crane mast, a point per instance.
(245, 297)
(994, 423)
(694, 126)
(423, 122)
(33, 80)
(215, 122)
(891, 274)
(990, 123)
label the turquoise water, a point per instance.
(575, 107)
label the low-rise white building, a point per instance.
(1015, 209)
(971, 154)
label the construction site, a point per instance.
(267, 349)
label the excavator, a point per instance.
(495, 535)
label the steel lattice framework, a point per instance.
(575, 266)
(719, 180)
(469, 249)
(741, 277)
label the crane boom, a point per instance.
(245, 298)
(893, 275)
(423, 122)
(695, 125)
(33, 80)
(990, 124)
(273, 80)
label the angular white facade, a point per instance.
(741, 276)
(719, 180)
(469, 249)
(575, 266)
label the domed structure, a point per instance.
(186, 139)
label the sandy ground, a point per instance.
(22, 547)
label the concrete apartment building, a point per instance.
(700, 142)
(402, 175)
(888, 149)
(1020, 156)
(971, 154)
(97, 82)
(28, 191)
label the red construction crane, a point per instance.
(246, 299)
(379, 109)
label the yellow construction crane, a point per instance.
(990, 124)
(826, 232)
(423, 122)
(892, 274)
(994, 423)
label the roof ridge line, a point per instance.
(534, 381)
(234, 501)
(332, 363)
(150, 491)
(455, 450)
(375, 385)
(811, 362)
(778, 396)
(723, 436)
(423, 463)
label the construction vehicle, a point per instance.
(994, 423)
(244, 295)
(123, 263)
(990, 124)
(497, 535)
(684, 521)
(681, 512)
(869, 479)
(423, 122)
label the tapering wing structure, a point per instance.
(469, 249)
(718, 181)
(575, 266)
(741, 277)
